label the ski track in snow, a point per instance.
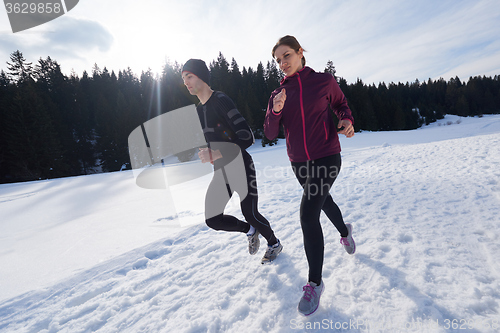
(426, 225)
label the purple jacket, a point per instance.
(309, 127)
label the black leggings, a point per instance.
(316, 178)
(217, 198)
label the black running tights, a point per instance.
(316, 178)
(249, 206)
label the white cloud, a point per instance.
(66, 40)
(77, 35)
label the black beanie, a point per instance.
(198, 68)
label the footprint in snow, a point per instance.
(153, 255)
(402, 238)
(140, 264)
(385, 248)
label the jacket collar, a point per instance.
(304, 71)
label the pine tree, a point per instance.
(273, 76)
(235, 81)
(453, 92)
(19, 70)
(84, 118)
(330, 69)
(59, 99)
(172, 88)
(220, 74)
(108, 141)
(262, 94)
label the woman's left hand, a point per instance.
(347, 128)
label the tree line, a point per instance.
(53, 125)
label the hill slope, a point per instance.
(97, 253)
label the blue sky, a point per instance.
(389, 40)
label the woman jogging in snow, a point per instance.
(227, 134)
(301, 104)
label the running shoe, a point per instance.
(348, 242)
(272, 252)
(253, 242)
(309, 302)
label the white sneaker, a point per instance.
(348, 242)
(309, 302)
(272, 252)
(253, 242)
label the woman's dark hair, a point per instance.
(291, 42)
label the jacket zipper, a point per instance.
(303, 117)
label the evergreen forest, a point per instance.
(53, 125)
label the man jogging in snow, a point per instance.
(227, 134)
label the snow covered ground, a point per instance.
(98, 253)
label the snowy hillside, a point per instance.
(98, 253)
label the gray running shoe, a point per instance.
(309, 302)
(272, 252)
(348, 242)
(253, 243)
